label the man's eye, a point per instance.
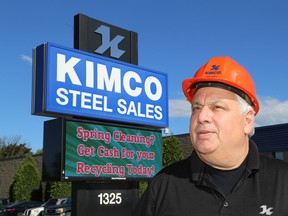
(218, 108)
(195, 108)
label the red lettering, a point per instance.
(85, 151)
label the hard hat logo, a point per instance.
(227, 72)
(213, 70)
(215, 67)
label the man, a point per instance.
(225, 175)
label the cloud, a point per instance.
(179, 108)
(26, 58)
(272, 111)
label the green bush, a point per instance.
(26, 182)
(60, 189)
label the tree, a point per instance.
(59, 189)
(26, 182)
(39, 151)
(171, 153)
(12, 147)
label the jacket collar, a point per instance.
(197, 166)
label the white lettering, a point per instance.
(89, 74)
(113, 81)
(158, 93)
(64, 68)
(107, 79)
(61, 92)
(127, 83)
(122, 106)
(74, 97)
(85, 100)
(158, 111)
(150, 111)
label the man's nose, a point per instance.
(204, 115)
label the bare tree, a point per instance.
(12, 147)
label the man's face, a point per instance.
(218, 130)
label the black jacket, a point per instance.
(184, 188)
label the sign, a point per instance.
(101, 151)
(101, 38)
(76, 83)
(104, 198)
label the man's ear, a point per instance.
(249, 121)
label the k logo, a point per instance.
(101, 38)
(106, 43)
(266, 210)
(215, 67)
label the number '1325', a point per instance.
(110, 198)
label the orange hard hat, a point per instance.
(226, 73)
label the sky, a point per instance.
(174, 37)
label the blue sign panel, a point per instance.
(76, 83)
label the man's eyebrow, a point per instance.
(209, 103)
(196, 103)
